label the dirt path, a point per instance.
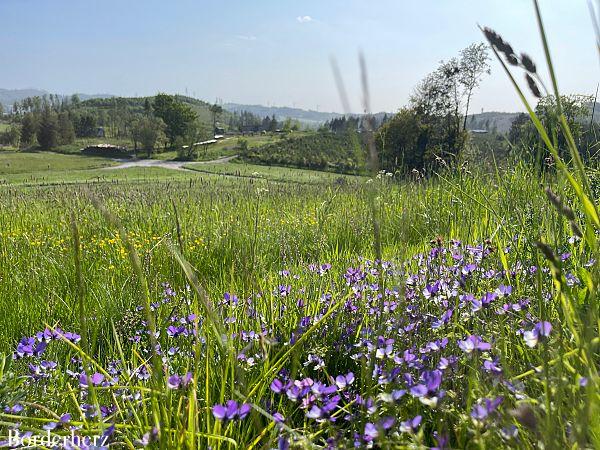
(174, 165)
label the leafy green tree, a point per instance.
(266, 123)
(66, 131)
(28, 129)
(148, 131)
(197, 132)
(1, 110)
(216, 110)
(273, 124)
(401, 141)
(576, 109)
(177, 116)
(85, 125)
(48, 130)
(474, 63)
(147, 106)
(517, 128)
(436, 101)
(11, 136)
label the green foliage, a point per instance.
(66, 130)
(28, 129)
(85, 124)
(322, 150)
(576, 111)
(48, 130)
(432, 129)
(401, 141)
(148, 131)
(177, 116)
(11, 136)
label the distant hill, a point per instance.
(135, 105)
(9, 96)
(309, 117)
(491, 121)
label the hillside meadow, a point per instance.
(264, 298)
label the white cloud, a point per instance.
(304, 19)
(246, 37)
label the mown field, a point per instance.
(271, 323)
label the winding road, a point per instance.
(173, 165)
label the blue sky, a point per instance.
(277, 52)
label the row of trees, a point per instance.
(48, 127)
(165, 121)
(347, 124)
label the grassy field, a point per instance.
(443, 339)
(28, 162)
(273, 173)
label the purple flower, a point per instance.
(15, 409)
(431, 381)
(540, 330)
(472, 343)
(96, 379)
(485, 407)
(504, 291)
(277, 386)
(314, 413)
(410, 425)
(384, 347)
(231, 411)
(344, 380)
(174, 382)
(371, 432)
(219, 411)
(492, 366)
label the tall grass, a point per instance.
(458, 311)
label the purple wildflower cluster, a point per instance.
(383, 363)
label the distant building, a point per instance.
(479, 131)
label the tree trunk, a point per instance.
(467, 111)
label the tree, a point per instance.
(148, 131)
(216, 110)
(66, 131)
(147, 107)
(576, 109)
(1, 110)
(47, 131)
(474, 64)
(266, 123)
(11, 136)
(515, 134)
(28, 129)
(287, 125)
(401, 141)
(273, 125)
(436, 101)
(85, 125)
(198, 132)
(177, 116)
